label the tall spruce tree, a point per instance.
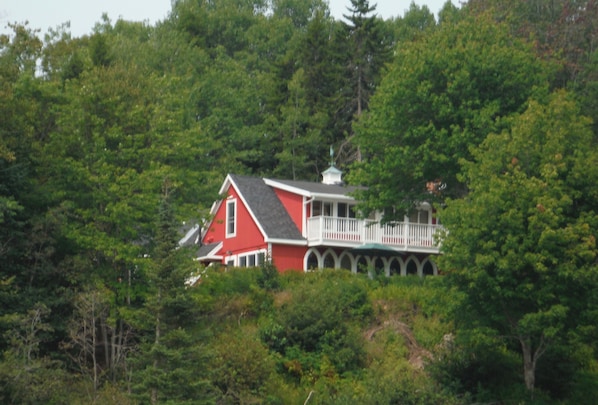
(170, 364)
(368, 50)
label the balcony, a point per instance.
(351, 232)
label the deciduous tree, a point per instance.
(521, 246)
(441, 96)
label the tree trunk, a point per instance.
(529, 364)
(154, 393)
(529, 367)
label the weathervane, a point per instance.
(331, 156)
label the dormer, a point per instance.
(332, 175)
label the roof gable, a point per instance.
(265, 208)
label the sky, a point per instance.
(84, 14)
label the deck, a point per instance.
(351, 232)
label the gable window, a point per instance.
(231, 218)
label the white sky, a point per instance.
(84, 14)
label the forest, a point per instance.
(111, 142)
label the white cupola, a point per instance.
(332, 175)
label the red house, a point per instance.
(302, 225)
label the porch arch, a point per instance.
(396, 266)
(362, 264)
(312, 260)
(330, 260)
(412, 266)
(429, 268)
(347, 261)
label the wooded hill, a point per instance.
(108, 142)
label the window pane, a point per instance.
(327, 206)
(243, 261)
(251, 262)
(414, 216)
(316, 209)
(342, 210)
(260, 258)
(230, 217)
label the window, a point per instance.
(252, 259)
(316, 208)
(342, 210)
(329, 209)
(231, 218)
(419, 217)
(345, 210)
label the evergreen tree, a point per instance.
(368, 50)
(171, 360)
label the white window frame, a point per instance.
(257, 257)
(232, 202)
(422, 208)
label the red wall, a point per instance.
(288, 257)
(293, 204)
(248, 236)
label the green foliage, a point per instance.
(25, 376)
(172, 371)
(478, 364)
(95, 131)
(270, 277)
(315, 322)
(241, 367)
(524, 233)
(441, 96)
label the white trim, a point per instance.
(292, 242)
(286, 187)
(248, 208)
(307, 193)
(333, 197)
(248, 254)
(331, 252)
(306, 257)
(231, 201)
(189, 234)
(210, 255)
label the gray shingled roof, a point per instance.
(204, 250)
(267, 208)
(319, 188)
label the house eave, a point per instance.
(286, 187)
(293, 242)
(215, 258)
(334, 197)
(307, 193)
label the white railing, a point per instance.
(355, 232)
